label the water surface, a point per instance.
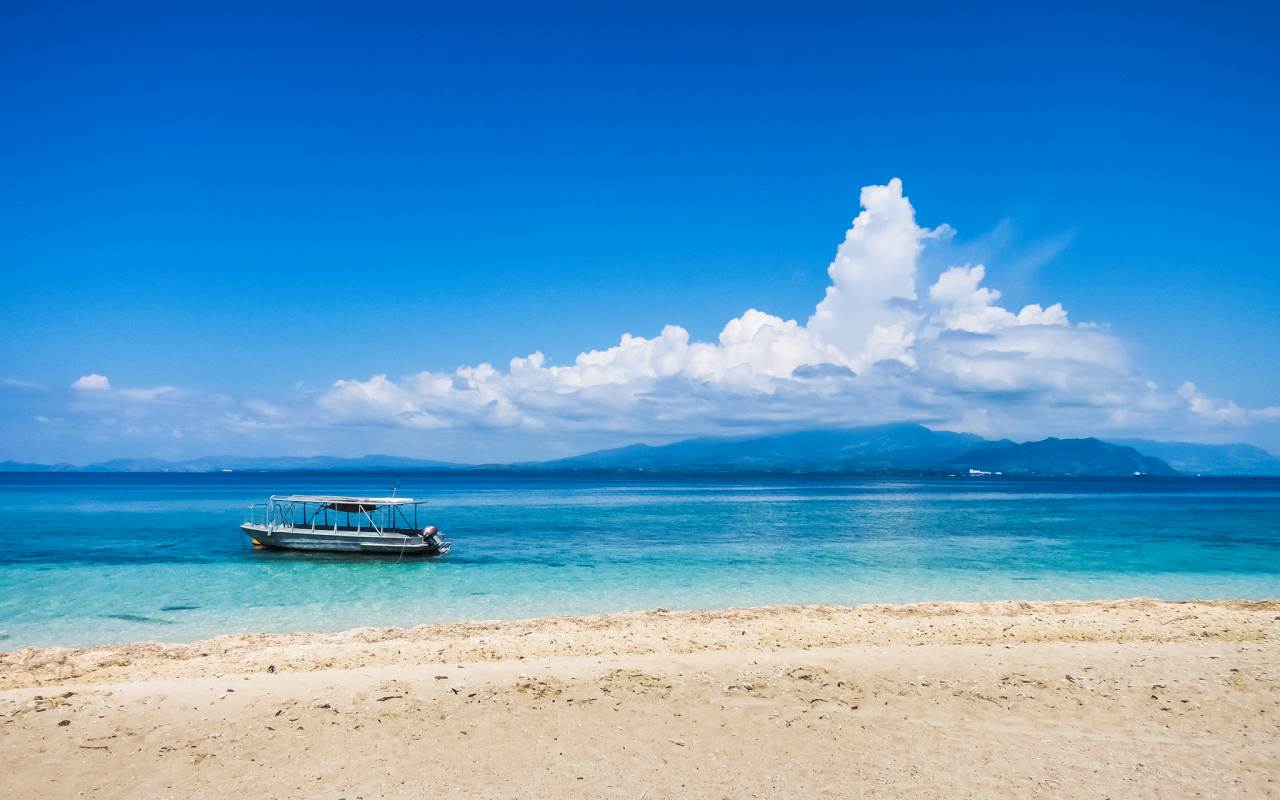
(88, 558)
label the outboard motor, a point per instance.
(431, 536)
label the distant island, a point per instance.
(905, 448)
(898, 449)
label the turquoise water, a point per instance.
(87, 559)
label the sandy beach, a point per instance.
(1122, 699)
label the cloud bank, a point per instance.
(886, 342)
(880, 345)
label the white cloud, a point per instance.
(153, 393)
(21, 385)
(873, 350)
(92, 382)
(964, 305)
(884, 343)
(100, 384)
(869, 308)
(1224, 410)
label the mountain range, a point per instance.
(877, 448)
(896, 448)
(1209, 459)
(881, 449)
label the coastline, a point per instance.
(1074, 698)
(642, 633)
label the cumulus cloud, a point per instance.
(92, 382)
(1225, 411)
(889, 340)
(879, 346)
(869, 312)
(963, 304)
(95, 383)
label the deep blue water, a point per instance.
(101, 558)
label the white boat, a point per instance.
(343, 524)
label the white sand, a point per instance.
(1083, 699)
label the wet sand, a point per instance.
(1120, 699)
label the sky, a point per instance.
(510, 232)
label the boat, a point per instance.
(343, 524)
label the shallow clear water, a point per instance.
(88, 559)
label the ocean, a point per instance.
(97, 558)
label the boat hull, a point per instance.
(321, 540)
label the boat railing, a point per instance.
(340, 528)
(254, 514)
(274, 515)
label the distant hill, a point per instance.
(904, 446)
(1209, 459)
(377, 463)
(1084, 457)
(371, 463)
(19, 466)
(876, 449)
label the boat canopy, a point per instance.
(351, 505)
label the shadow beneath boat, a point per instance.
(272, 554)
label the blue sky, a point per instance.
(243, 205)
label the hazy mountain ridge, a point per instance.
(1208, 459)
(894, 448)
(880, 449)
(1084, 457)
(371, 463)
